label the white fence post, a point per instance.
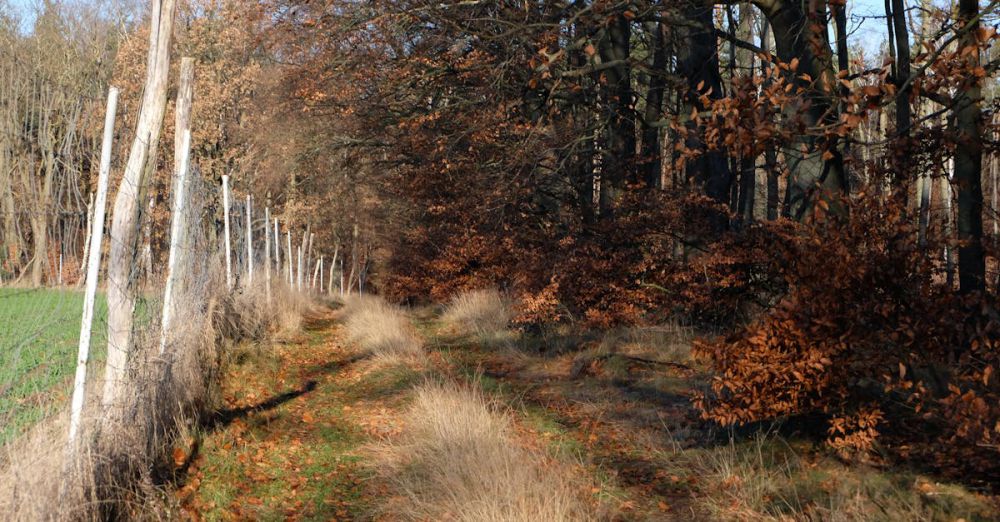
(333, 264)
(299, 279)
(277, 250)
(225, 210)
(93, 266)
(249, 227)
(267, 252)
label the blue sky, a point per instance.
(863, 29)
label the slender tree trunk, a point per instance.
(652, 161)
(744, 61)
(947, 211)
(969, 158)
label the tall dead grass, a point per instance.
(764, 479)
(379, 328)
(485, 313)
(458, 459)
(247, 314)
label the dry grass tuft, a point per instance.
(485, 313)
(247, 315)
(379, 328)
(458, 460)
(765, 479)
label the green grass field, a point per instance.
(39, 330)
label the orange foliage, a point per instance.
(869, 337)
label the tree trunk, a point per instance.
(651, 159)
(744, 61)
(969, 158)
(619, 157)
(121, 293)
(698, 63)
(800, 34)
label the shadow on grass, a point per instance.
(223, 418)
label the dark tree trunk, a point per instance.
(698, 63)
(652, 162)
(800, 34)
(900, 156)
(618, 163)
(969, 160)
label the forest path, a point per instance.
(301, 417)
(288, 445)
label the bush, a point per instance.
(870, 339)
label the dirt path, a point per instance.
(288, 445)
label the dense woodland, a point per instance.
(827, 211)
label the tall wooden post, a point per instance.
(309, 262)
(177, 259)
(277, 249)
(176, 231)
(86, 244)
(333, 264)
(299, 279)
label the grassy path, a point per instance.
(288, 446)
(294, 442)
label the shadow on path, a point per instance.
(224, 417)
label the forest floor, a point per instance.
(303, 417)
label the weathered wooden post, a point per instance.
(300, 267)
(86, 244)
(176, 231)
(93, 267)
(333, 265)
(309, 248)
(176, 262)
